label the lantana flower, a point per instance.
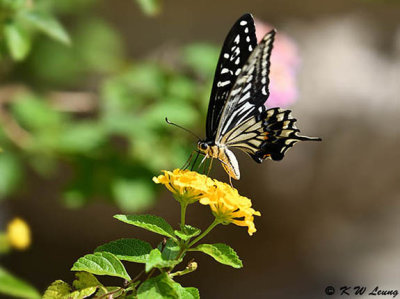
(186, 186)
(18, 234)
(228, 206)
(225, 202)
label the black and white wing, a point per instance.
(250, 91)
(245, 123)
(238, 45)
(267, 135)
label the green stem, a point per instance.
(151, 273)
(136, 277)
(183, 214)
(212, 225)
(106, 295)
(181, 252)
(185, 247)
(188, 269)
(104, 289)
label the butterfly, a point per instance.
(237, 117)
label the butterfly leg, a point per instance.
(187, 163)
(202, 161)
(195, 160)
(227, 167)
(230, 180)
(204, 167)
(209, 166)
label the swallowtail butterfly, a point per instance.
(237, 116)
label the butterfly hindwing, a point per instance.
(238, 45)
(266, 136)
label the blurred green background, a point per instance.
(82, 103)
(84, 90)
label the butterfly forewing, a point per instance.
(250, 90)
(238, 45)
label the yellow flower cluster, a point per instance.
(187, 186)
(229, 206)
(18, 234)
(226, 204)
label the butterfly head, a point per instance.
(203, 146)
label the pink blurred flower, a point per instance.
(285, 61)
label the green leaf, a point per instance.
(133, 195)
(170, 250)
(131, 250)
(188, 232)
(61, 290)
(35, 113)
(62, 68)
(182, 88)
(81, 137)
(190, 293)
(159, 287)
(163, 286)
(157, 151)
(151, 223)
(18, 41)
(102, 291)
(85, 280)
(150, 7)
(146, 79)
(47, 24)
(186, 293)
(182, 113)
(57, 290)
(122, 124)
(70, 7)
(156, 260)
(99, 46)
(221, 253)
(80, 294)
(101, 263)
(5, 246)
(202, 58)
(74, 198)
(10, 174)
(11, 6)
(13, 286)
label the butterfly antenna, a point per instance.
(174, 124)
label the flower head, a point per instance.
(225, 202)
(228, 206)
(187, 186)
(18, 234)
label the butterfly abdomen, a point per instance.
(229, 163)
(222, 154)
(280, 134)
